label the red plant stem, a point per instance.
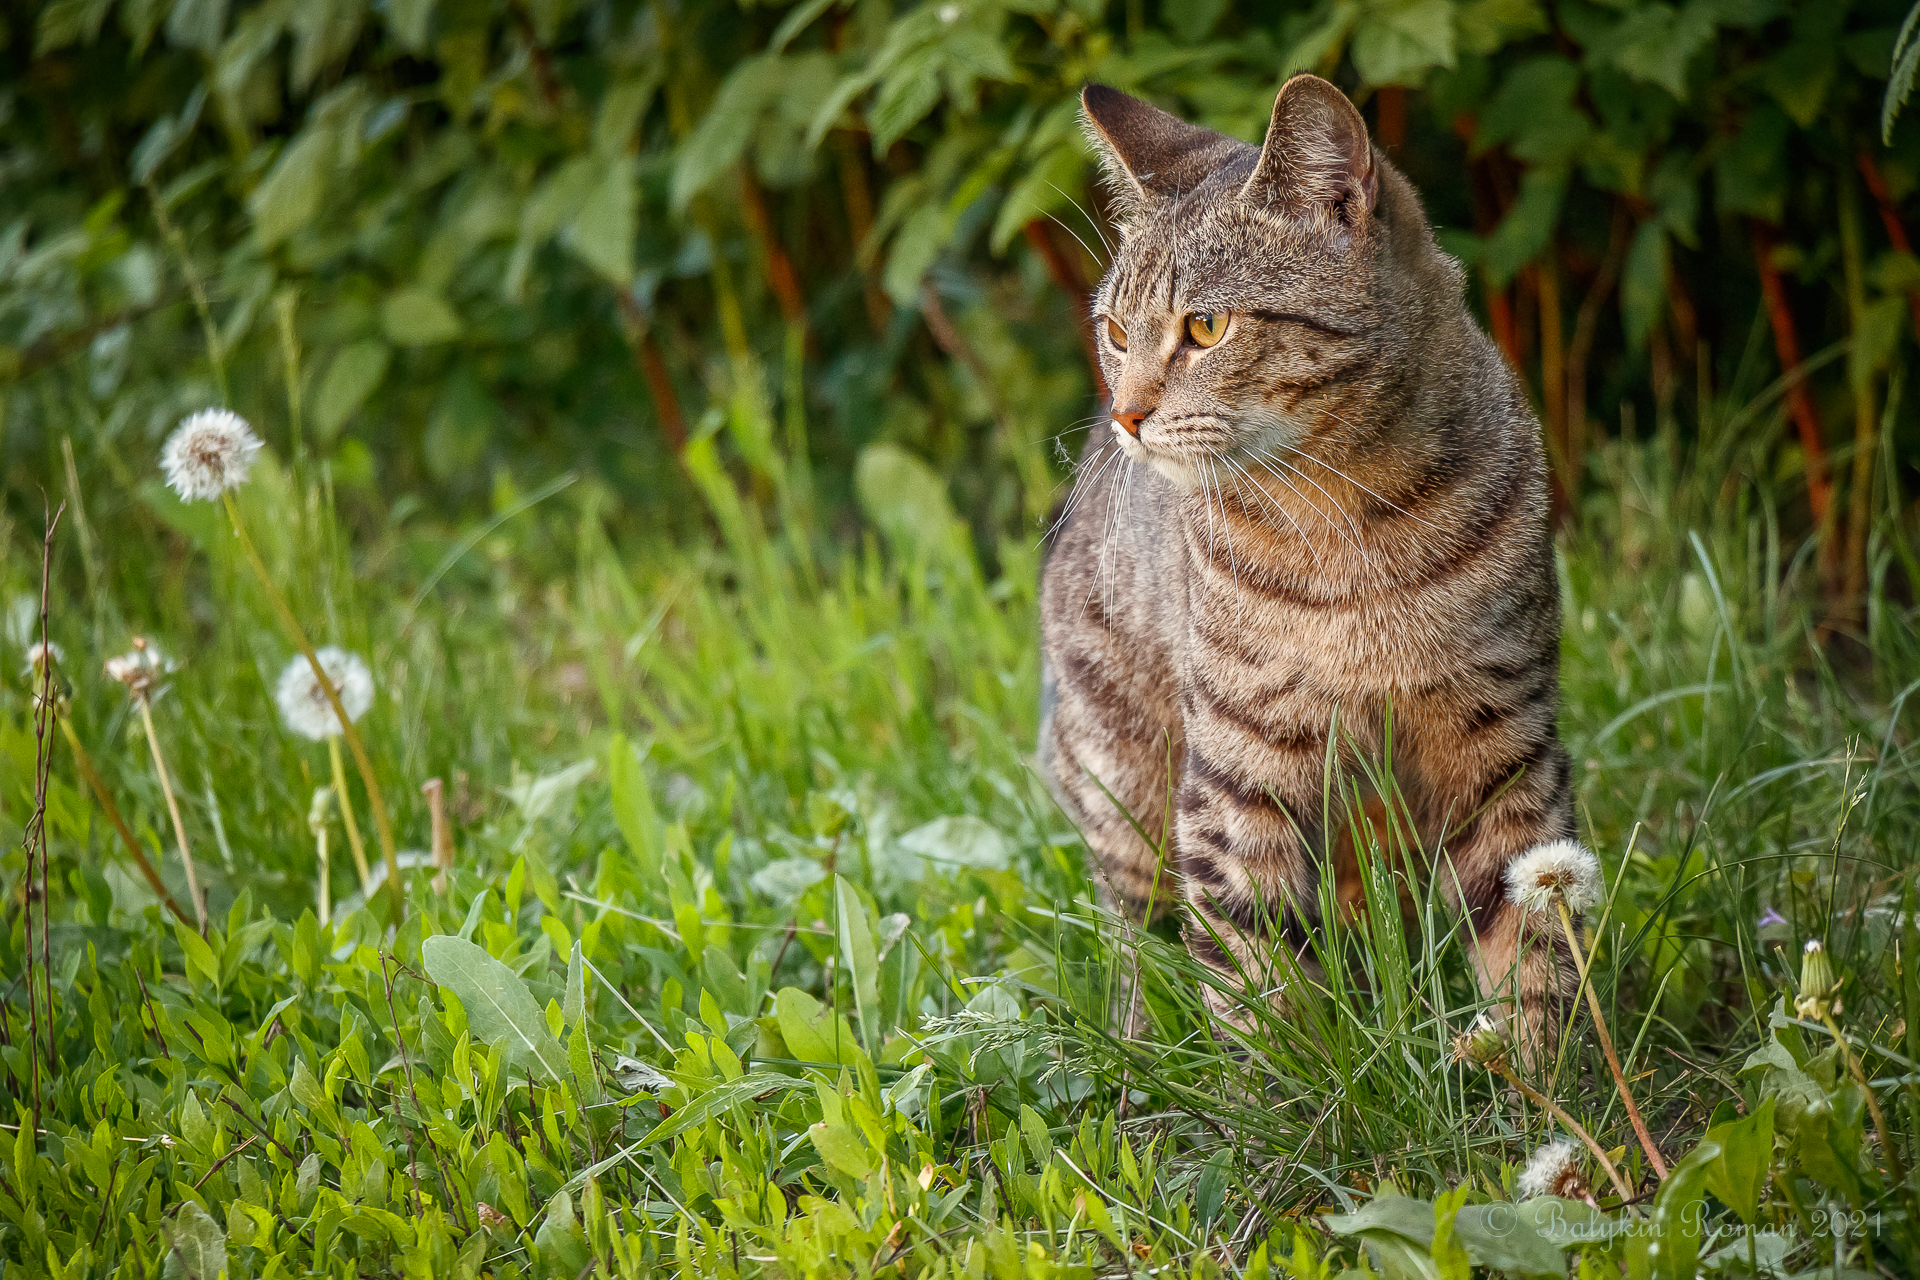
(1890, 219)
(653, 369)
(1806, 417)
(780, 273)
(1390, 116)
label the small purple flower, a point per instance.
(1769, 916)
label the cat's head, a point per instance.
(1253, 286)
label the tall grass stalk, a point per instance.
(194, 895)
(346, 814)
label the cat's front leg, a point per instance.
(1250, 885)
(1518, 800)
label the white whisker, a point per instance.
(1288, 517)
(1091, 222)
(1350, 480)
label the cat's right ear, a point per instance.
(1147, 154)
(1317, 162)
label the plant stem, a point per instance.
(173, 808)
(1573, 1126)
(1606, 1043)
(383, 826)
(84, 763)
(1895, 1168)
(326, 888)
(346, 815)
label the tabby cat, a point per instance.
(1319, 510)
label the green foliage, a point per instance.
(551, 237)
(763, 951)
(805, 971)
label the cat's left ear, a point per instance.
(1317, 162)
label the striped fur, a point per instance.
(1335, 516)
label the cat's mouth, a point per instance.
(1189, 450)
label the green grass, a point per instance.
(778, 795)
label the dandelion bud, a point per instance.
(209, 453)
(303, 703)
(1818, 986)
(1563, 869)
(317, 811)
(1484, 1044)
(1555, 1170)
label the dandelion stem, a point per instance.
(1554, 1109)
(84, 763)
(383, 826)
(346, 815)
(173, 808)
(1606, 1041)
(1896, 1170)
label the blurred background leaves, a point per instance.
(552, 236)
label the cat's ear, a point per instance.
(1147, 153)
(1317, 162)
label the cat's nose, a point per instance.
(1130, 420)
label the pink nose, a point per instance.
(1130, 420)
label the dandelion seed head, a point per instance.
(140, 670)
(209, 453)
(303, 703)
(1554, 1170)
(1563, 868)
(38, 654)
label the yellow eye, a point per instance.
(1116, 334)
(1207, 327)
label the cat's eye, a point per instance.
(1207, 327)
(1115, 334)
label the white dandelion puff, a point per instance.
(303, 703)
(1555, 1170)
(1564, 868)
(140, 670)
(209, 453)
(37, 655)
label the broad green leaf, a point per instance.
(1043, 193)
(727, 129)
(202, 965)
(354, 374)
(858, 953)
(1655, 42)
(1485, 25)
(841, 1148)
(574, 1008)
(497, 1003)
(812, 1031)
(1510, 1240)
(1746, 1152)
(408, 20)
(417, 317)
(633, 810)
(602, 232)
(1676, 1218)
(1400, 43)
(960, 840)
(196, 24)
(196, 1246)
(1524, 234)
(290, 195)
